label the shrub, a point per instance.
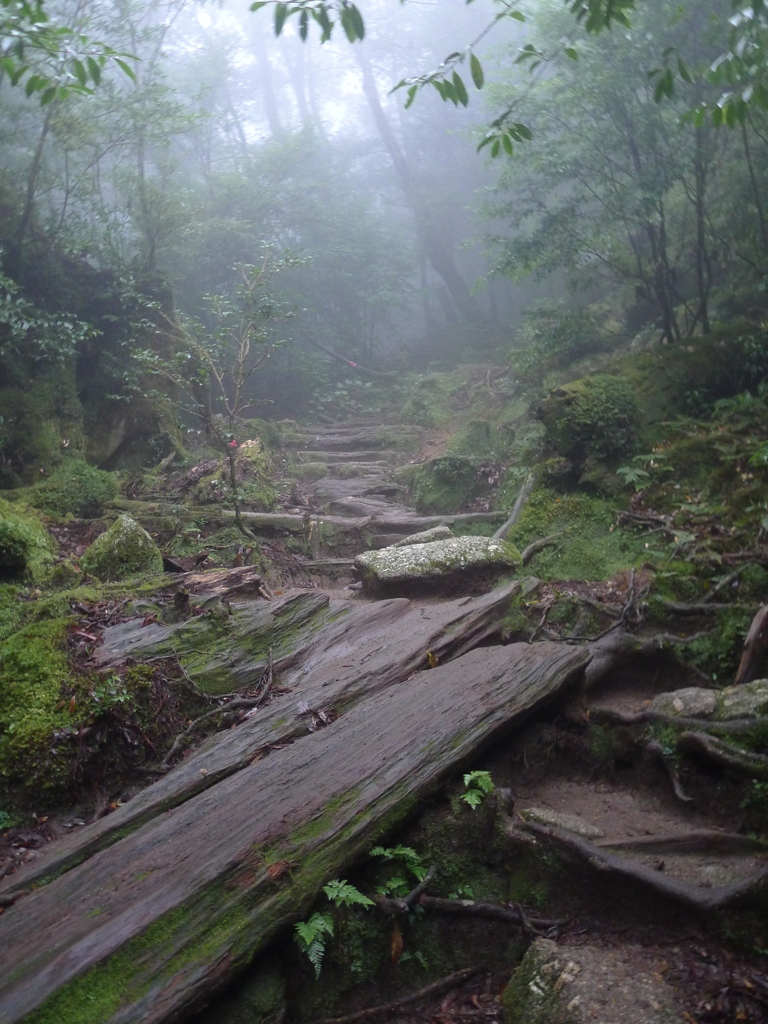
(75, 488)
(595, 415)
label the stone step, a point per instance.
(379, 455)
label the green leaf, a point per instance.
(495, 147)
(413, 89)
(258, 5)
(476, 70)
(94, 70)
(303, 25)
(461, 89)
(281, 13)
(48, 95)
(506, 142)
(474, 798)
(571, 52)
(517, 15)
(340, 892)
(78, 69)
(683, 71)
(125, 68)
(358, 23)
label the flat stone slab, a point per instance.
(472, 559)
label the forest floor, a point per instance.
(632, 951)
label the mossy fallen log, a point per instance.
(145, 929)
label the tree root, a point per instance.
(513, 915)
(702, 839)
(436, 988)
(613, 646)
(538, 545)
(734, 727)
(683, 893)
(724, 754)
(522, 497)
(655, 749)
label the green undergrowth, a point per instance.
(26, 550)
(590, 547)
(75, 488)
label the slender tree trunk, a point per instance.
(437, 252)
(265, 75)
(294, 59)
(703, 266)
(15, 263)
(756, 197)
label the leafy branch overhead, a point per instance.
(739, 73)
(53, 61)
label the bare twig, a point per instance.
(436, 988)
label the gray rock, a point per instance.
(745, 701)
(560, 984)
(126, 549)
(439, 562)
(425, 537)
(690, 702)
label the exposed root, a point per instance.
(683, 893)
(655, 749)
(436, 988)
(724, 754)
(734, 727)
(702, 839)
(494, 911)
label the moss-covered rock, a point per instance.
(126, 549)
(25, 547)
(75, 488)
(442, 562)
(595, 416)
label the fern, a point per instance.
(478, 785)
(311, 937)
(340, 892)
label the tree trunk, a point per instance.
(437, 252)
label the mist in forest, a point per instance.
(397, 242)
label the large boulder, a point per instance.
(440, 565)
(126, 549)
(561, 984)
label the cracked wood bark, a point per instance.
(144, 929)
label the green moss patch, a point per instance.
(25, 547)
(75, 488)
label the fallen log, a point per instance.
(144, 930)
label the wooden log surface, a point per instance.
(196, 881)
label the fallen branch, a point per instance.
(724, 754)
(436, 988)
(684, 893)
